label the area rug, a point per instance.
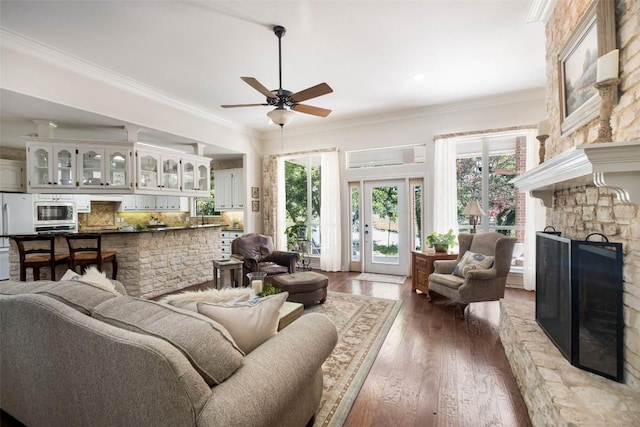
(363, 323)
(386, 278)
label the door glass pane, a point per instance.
(91, 168)
(65, 168)
(355, 224)
(416, 216)
(118, 169)
(384, 224)
(41, 161)
(188, 176)
(148, 171)
(170, 171)
(202, 177)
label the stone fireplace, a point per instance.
(587, 187)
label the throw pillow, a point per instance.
(206, 344)
(250, 323)
(472, 261)
(188, 300)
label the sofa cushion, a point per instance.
(13, 287)
(79, 295)
(208, 346)
(472, 261)
(250, 323)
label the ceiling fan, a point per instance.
(285, 100)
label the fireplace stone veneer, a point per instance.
(555, 392)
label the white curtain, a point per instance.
(535, 214)
(445, 188)
(280, 220)
(330, 255)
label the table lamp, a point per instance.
(474, 211)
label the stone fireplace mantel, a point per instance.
(614, 165)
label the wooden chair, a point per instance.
(36, 252)
(85, 249)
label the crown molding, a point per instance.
(20, 43)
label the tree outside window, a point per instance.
(302, 206)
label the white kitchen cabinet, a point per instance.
(172, 203)
(158, 170)
(12, 175)
(83, 203)
(227, 237)
(196, 175)
(229, 186)
(51, 166)
(105, 168)
(61, 197)
(102, 167)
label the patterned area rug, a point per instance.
(386, 278)
(363, 323)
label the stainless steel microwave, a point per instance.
(55, 213)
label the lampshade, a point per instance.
(473, 208)
(281, 116)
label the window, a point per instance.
(206, 206)
(485, 166)
(416, 213)
(355, 222)
(388, 156)
(302, 204)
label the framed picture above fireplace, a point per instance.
(577, 65)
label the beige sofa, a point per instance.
(63, 361)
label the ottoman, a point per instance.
(305, 287)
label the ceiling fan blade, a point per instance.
(243, 105)
(312, 92)
(258, 86)
(310, 109)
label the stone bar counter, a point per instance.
(151, 262)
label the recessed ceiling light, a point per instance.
(418, 77)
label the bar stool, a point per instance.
(38, 251)
(85, 249)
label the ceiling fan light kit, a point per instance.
(281, 116)
(284, 100)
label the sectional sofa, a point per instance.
(76, 354)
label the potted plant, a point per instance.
(441, 242)
(295, 233)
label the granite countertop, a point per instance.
(152, 229)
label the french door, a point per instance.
(384, 227)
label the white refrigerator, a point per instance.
(16, 217)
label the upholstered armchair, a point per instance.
(478, 274)
(257, 252)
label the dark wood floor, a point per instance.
(433, 369)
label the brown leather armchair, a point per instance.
(474, 284)
(258, 253)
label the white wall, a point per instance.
(409, 128)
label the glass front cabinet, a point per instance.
(51, 166)
(104, 168)
(196, 175)
(85, 167)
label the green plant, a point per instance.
(438, 239)
(268, 289)
(294, 233)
